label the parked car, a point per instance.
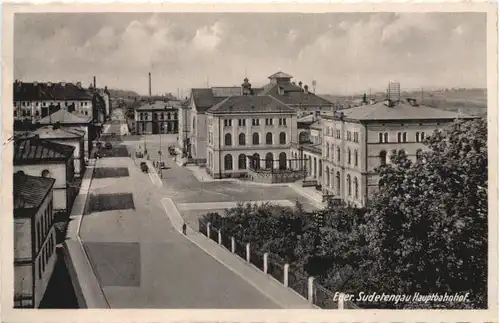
(108, 145)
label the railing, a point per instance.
(273, 265)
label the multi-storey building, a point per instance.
(67, 119)
(71, 136)
(242, 126)
(157, 117)
(34, 238)
(358, 140)
(36, 157)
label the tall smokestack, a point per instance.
(94, 84)
(150, 84)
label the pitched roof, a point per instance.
(36, 91)
(52, 132)
(294, 95)
(226, 91)
(280, 75)
(400, 111)
(38, 151)
(159, 105)
(203, 98)
(29, 193)
(250, 104)
(64, 117)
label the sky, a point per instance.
(344, 53)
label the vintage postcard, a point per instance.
(249, 162)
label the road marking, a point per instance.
(227, 205)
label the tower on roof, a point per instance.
(280, 78)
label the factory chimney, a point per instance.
(150, 84)
(94, 84)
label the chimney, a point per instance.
(300, 84)
(150, 84)
(95, 87)
(306, 89)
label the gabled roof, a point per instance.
(294, 95)
(250, 104)
(225, 91)
(38, 151)
(29, 193)
(205, 98)
(53, 132)
(400, 111)
(279, 75)
(36, 91)
(64, 117)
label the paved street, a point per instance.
(141, 261)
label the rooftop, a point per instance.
(58, 132)
(38, 151)
(36, 91)
(294, 95)
(250, 104)
(64, 117)
(29, 193)
(280, 75)
(159, 105)
(399, 111)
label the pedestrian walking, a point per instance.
(184, 228)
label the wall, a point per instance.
(58, 172)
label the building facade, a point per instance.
(157, 117)
(71, 136)
(41, 158)
(242, 126)
(34, 238)
(360, 139)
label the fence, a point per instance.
(276, 267)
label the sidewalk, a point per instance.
(267, 285)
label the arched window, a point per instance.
(399, 136)
(45, 173)
(419, 154)
(227, 139)
(194, 123)
(386, 137)
(269, 160)
(282, 138)
(356, 188)
(228, 162)
(356, 157)
(337, 184)
(327, 170)
(269, 138)
(404, 136)
(348, 156)
(256, 161)
(338, 153)
(282, 160)
(241, 139)
(417, 137)
(380, 137)
(349, 185)
(175, 115)
(383, 157)
(242, 161)
(255, 138)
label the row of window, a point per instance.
(228, 141)
(350, 184)
(46, 104)
(255, 122)
(161, 115)
(352, 155)
(44, 224)
(242, 161)
(402, 137)
(383, 155)
(45, 256)
(352, 136)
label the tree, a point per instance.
(428, 225)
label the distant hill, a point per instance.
(126, 94)
(468, 101)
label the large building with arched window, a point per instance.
(249, 131)
(358, 140)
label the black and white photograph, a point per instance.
(251, 160)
